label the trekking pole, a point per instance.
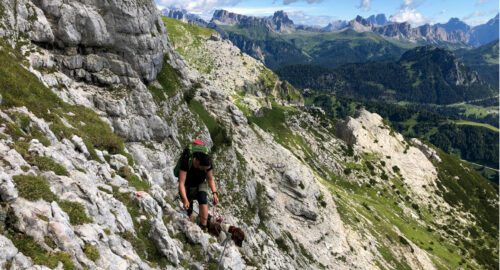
(222, 254)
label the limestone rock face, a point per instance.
(104, 42)
(367, 133)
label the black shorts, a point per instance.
(194, 194)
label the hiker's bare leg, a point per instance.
(191, 218)
(203, 214)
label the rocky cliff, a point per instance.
(279, 22)
(378, 19)
(104, 43)
(86, 175)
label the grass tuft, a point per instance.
(91, 252)
(34, 188)
(76, 212)
(133, 179)
(47, 164)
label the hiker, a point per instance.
(196, 180)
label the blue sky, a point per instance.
(321, 12)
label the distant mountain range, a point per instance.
(183, 15)
(279, 22)
(379, 19)
(404, 31)
(454, 31)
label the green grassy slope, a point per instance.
(332, 49)
(484, 60)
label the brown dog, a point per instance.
(216, 228)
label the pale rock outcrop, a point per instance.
(8, 191)
(164, 243)
(7, 250)
(367, 133)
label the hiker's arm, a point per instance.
(182, 188)
(211, 184)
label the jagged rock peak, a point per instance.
(281, 15)
(379, 19)
(225, 17)
(175, 13)
(103, 42)
(454, 24)
(183, 15)
(278, 23)
(281, 22)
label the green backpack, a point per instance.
(196, 146)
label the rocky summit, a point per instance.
(98, 100)
(279, 22)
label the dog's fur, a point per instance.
(214, 228)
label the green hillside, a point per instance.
(260, 43)
(333, 49)
(484, 60)
(422, 75)
(319, 48)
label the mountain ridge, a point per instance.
(454, 30)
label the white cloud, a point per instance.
(442, 11)
(411, 3)
(407, 3)
(300, 18)
(196, 6)
(476, 22)
(474, 14)
(409, 15)
(365, 5)
(478, 17)
(480, 2)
